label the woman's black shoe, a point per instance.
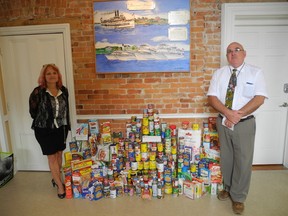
(61, 196)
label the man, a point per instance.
(236, 123)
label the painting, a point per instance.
(142, 36)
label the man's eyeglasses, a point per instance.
(236, 50)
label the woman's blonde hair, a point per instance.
(42, 81)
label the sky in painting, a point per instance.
(162, 7)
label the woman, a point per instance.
(49, 108)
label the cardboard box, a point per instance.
(6, 167)
(188, 189)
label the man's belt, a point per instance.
(241, 120)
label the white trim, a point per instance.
(48, 29)
(34, 29)
(162, 116)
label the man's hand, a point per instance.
(228, 123)
(233, 116)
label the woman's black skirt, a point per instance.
(51, 140)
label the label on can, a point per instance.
(160, 166)
(168, 133)
(144, 147)
(137, 157)
(174, 149)
(168, 188)
(195, 126)
(185, 125)
(113, 193)
(140, 165)
(168, 175)
(151, 127)
(146, 165)
(173, 131)
(186, 159)
(153, 147)
(160, 155)
(134, 165)
(144, 156)
(152, 155)
(160, 147)
(145, 130)
(145, 122)
(152, 165)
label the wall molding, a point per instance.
(162, 116)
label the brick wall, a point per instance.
(129, 93)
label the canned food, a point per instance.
(138, 156)
(127, 165)
(168, 175)
(150, 106)
(160, 155)
(132, 136)
(113, 192)
(134, 165)
(153, 147)
(145, 130)
(156, 117)
(160, 166)
(144, 156)
(133, 118)
(157, 132)
(160, 147)
(168, 188)
(173, 141)
(195, 126)
(186, 159)
(163, 126)
(140, 165)
(145, 113)
(174, 149)
(173, 130)
(152, 155)
(151, 128)
(168, 133)
(185, 125)
(152, 165)
(144, 147)
(145, 122)
(146, 165)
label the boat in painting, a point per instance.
(146, 52)
(118, 21)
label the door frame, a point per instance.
(63, 29)
(234, 14)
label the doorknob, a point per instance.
(285, 88)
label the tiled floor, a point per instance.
(31, 194)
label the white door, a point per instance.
(23, 57)
(263, 31)
(267, 47)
